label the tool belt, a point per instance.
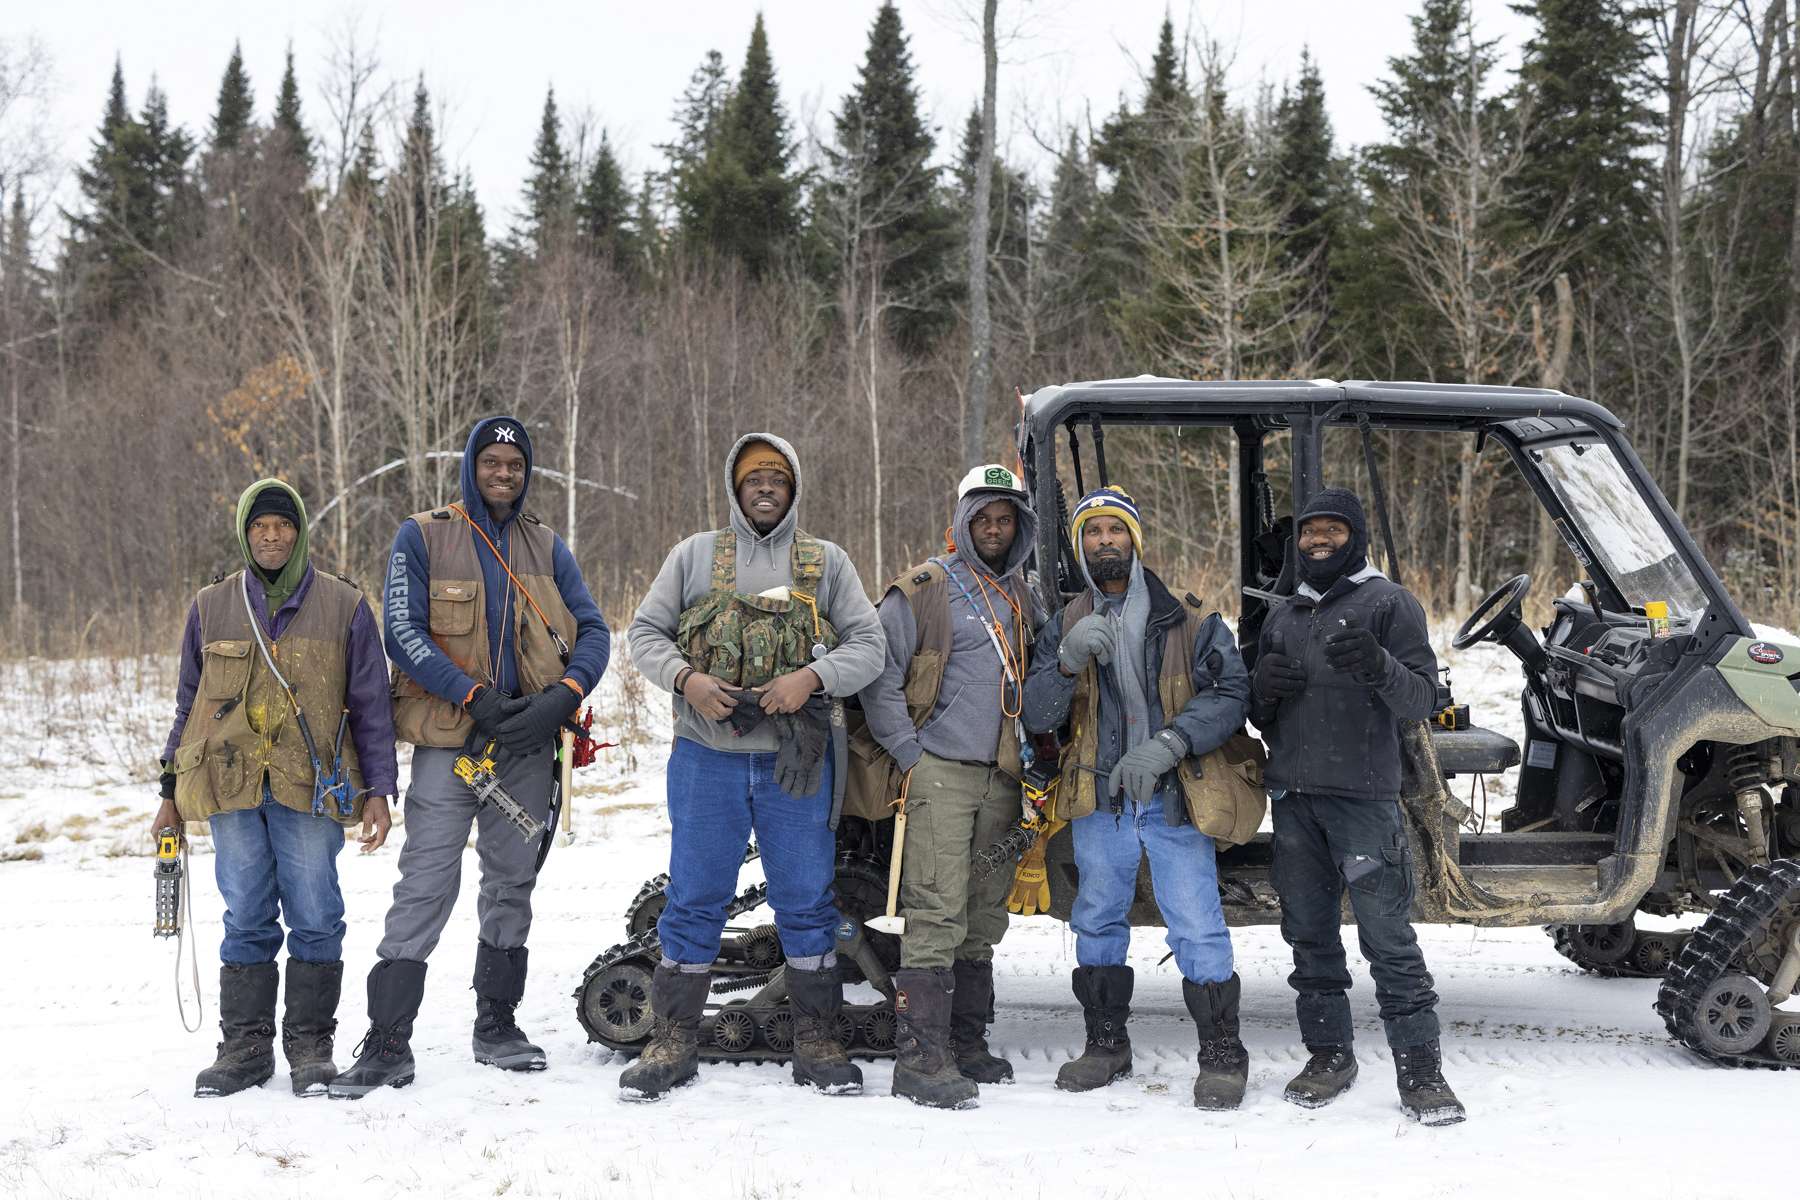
(747, 640)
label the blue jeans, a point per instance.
(1183, 873)
(715, 800)
(271, 856)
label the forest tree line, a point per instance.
(308, 288)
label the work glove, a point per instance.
(1142, 766)
(1278, 676)
(1356, 652)
(803, 738)
(534, 726)
(1030, 894)
(165, 783)
(1092, 637)
(747, 715)
(490, 708)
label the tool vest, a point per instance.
(874, 775)
(748, 640)
(459, 622)
(1222, 787)
(241, 727)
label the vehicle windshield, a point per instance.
(1624, 533)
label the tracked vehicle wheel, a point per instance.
(1733, 1015)
(1708, 1002)
(646, 908)
(734, 1030)
(1596, 946)
(1784, 1038)
(1654, 952)
(615, 1005)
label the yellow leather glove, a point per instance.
(1030, 893)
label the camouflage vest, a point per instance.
(459, 622)
(748, 640)
(241, 727)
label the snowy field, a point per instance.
(1571, 1082)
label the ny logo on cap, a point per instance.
(507, 434)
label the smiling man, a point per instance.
(946, 708)
(1338, 666)
(753, 628)
(236, 760)
(494, 637)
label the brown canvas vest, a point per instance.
(875, 777)
(241, 727)
(459, 622)
(1222, 787)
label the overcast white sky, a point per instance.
(626, 62)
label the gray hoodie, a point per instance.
(965, 722)
(764, 561)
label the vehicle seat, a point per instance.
(1473, 751)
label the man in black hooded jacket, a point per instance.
(1339, 665)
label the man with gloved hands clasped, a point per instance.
(1338, 666)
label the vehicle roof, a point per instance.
(1158, 400)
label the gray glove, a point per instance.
(1144, 765)
(802, 740)
(1092, 637)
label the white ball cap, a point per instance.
(991, 477)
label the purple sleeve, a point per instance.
(371, 705)
(189, 682)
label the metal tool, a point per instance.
(483, 778)
(169, 875)
(892, 922)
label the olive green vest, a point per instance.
(748, 640)
(241, 727)
(459, 622)
(874, 775)
(1222, 786)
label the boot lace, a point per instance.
(1221, 1052)
(1325, 1062)
(1422, 1072)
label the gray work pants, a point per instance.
(439, 810)
(954, 811)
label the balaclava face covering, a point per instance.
(1349, 558)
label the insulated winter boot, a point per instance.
(1105, 995)
(1327, 1075)
(384, 1056)
(925, 1071)
(818, 1059)
(1224, 1063)
(308, 1025)
(1424, 1095)
(677, 999)
(971, 1011)
(247, 1019)
(499, 986)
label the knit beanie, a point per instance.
(273, 501)
(1109, 501)
(760, 456)
(501, 430)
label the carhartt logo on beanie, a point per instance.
(760, 456)
(1110, 501)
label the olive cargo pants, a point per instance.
(954, 811)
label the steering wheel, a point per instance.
(1495, 616)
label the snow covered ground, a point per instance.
(1571, 1083)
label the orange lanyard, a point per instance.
(494, 665)
(1012, 662)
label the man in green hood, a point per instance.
(283, 691)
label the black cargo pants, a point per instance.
(1323, 845)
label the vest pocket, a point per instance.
(453, 606)
(224, 669)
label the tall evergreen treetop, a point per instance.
(603, 210)
(287, 120)
(550, 188)
(1446, 67)
(1303, 161)
(237, 105)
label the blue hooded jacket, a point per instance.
(407, 608)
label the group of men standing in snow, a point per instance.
(757, 629)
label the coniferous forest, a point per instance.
(306, 287)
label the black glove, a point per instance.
(748, 714)
(165, 783)
(1357, 652)
(489, 708)
(804, 736)
(534, 726)
(1278, 676)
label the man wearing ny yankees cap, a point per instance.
(494, 637)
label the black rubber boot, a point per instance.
(677, 1000)
(971, 1012)
(247, 1021)
(384, 1056)
(1224, 1063)
(1327, 1075)
(1427, 1099)
(309, 1024)
(819, 1061)
(499, 986)
(1105, 995)
(925, 1071)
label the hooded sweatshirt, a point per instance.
(408, 596)
(764, 561)
(965, 723)
(365, 667)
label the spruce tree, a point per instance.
(549, 189)
(697, 122)
(1009, 209)
(288, 124)
(603, 210)
(117, 218)
(236, 107)
(1312, 186)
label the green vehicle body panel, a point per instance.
(1765, 688)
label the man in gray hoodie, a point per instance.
(946, 707)
(752, 627)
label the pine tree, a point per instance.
(168, 148)
(743, 198)
(237, 105)
(1071, 284)
(118, 217)
(287, 123)
(549, 189)
(697, 121)
(1437, 73)
(603, 210)
(1009, 210)
(1312, 185)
